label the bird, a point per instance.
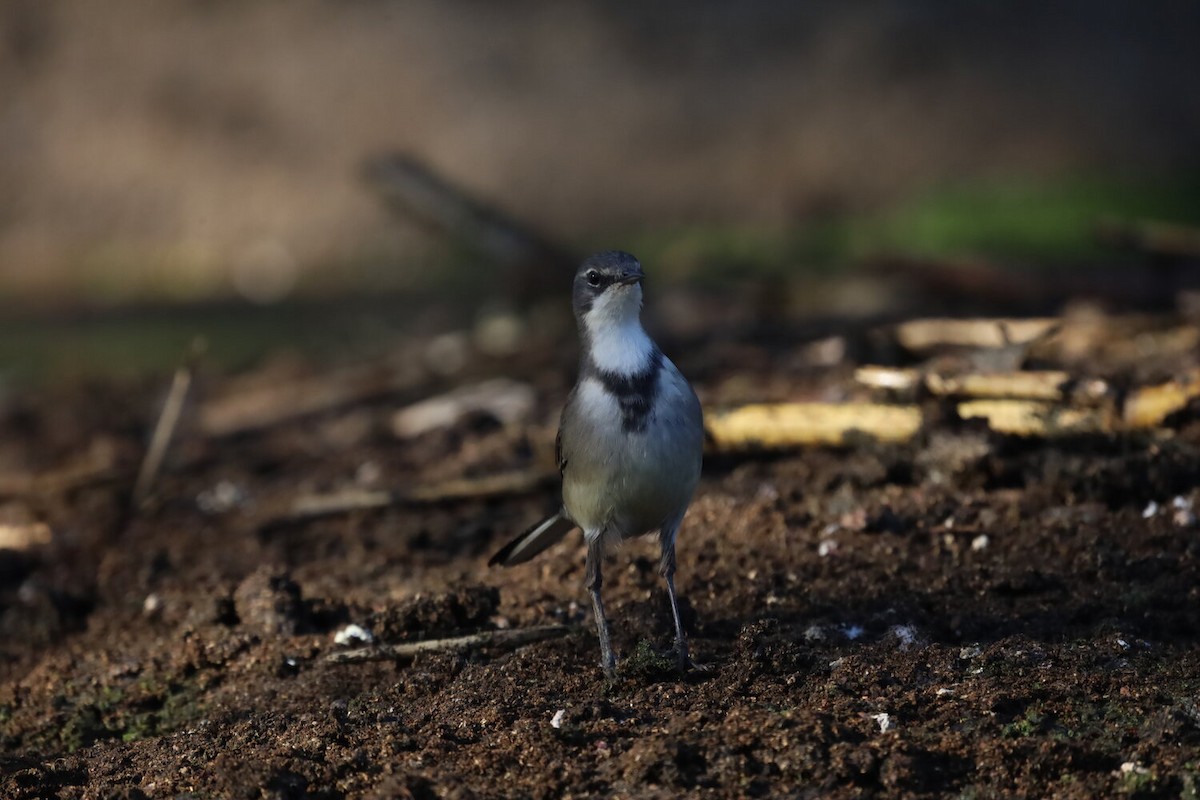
(630, 440)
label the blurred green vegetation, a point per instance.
(136, 342)
(1020, 223)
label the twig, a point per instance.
(24, 536)
(1034, 418)
(313, 506)
(405, 652)
(895, 379)
(96, 467)
(503, 483)
(272, 405)
(919, 335)
(413, 189)
(1149, 406)
(506, 400)
(1025, 385)
(168, 421)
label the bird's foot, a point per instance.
(683, 660)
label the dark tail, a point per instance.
(533, 541)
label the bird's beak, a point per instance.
(631, 277)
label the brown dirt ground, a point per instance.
(1026, 629)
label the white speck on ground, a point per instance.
(980, 542)
(1150, 510)
(884, 720)
(557, 720)
(353, 634)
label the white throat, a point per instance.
(619, 343)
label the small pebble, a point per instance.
(353, 634)
(152, 606)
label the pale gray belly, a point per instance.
(620, 483)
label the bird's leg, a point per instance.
(594, 581)
(666, 568)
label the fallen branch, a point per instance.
(404, 653)
(1026, 385)
(1054, 385)
(271, 405)
(921, 335)
(1034, 418)
(783, 425)
(1149, 406)
(97, 466)
(24, 536)
(313, 506)
(415, 191)
(895, 379)
(506, 400)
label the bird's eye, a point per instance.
(593, 277)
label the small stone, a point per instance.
(353, 635)
(152, 606)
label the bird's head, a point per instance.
(608, 290)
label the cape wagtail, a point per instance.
(630, 439)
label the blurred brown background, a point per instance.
(186, 150)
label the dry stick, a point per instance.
(784, 425)
(168, 421)
(267, 406)
(96, 467)
(919, 335)
(313, 506)
(405, 653)
(415, 191)
(23, 536)
(1149, 406)
(1033, 418)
